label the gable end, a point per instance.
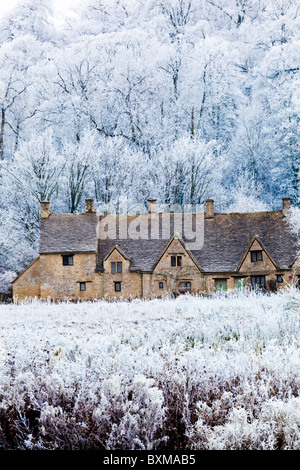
(256, 245)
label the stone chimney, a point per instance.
(286, 205)
(210, 209)
(45, 209)
(151, 205)
(89, 206)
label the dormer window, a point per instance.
(176, 261)
(256, 256)
(67, 260)
(116, 267)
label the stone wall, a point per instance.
(172, 276)
(259, 266)
(28, 284)
(60, 282)
(47, 277)
(131, 282)
(269, 276)
(209, 284)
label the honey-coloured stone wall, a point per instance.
(172, 276)
(131, 282)
(27, 286)
(59, 282)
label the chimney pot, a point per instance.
(286, 205)
(151, 205)
(45, 209)
(89, 205)
(210, 209)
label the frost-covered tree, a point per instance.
(246, 197)
(79, 159)
(188, 171)
(37, 168)
(120, 170)
(179, 100)
(29, 17)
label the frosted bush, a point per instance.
(276, 427)
(283, 420)
(236, 434)
(141, 416)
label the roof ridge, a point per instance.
(278, 211)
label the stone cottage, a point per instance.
(238, 250)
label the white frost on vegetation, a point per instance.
(191, 372)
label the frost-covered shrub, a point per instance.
(185, 373)
(136, 413)
(277, 427)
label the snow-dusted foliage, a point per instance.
(6, 278)
(181, 100)
(294, 222)
(185, 373)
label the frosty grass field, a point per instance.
(185, 373)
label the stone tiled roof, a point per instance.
(228, 236)
(226, 239)
(69, 233)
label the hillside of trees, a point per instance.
(181, 100)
